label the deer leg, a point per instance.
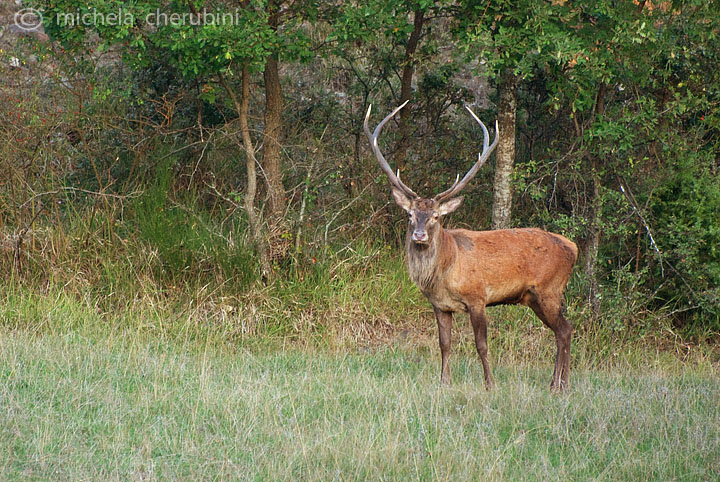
(550, 312)
(563, 337)
(444, 320)
(479, 324)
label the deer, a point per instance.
(460, 270)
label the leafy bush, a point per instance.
(685, 210)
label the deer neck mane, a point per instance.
(427, 263)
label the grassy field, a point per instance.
(111, 375)
(124, 406)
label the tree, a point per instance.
(625, 78)
(597, 52)
(402, 24)
(272, 134)
(408, 69)
(206, 47)
(505, 157)
(512, 39)
(254, 219)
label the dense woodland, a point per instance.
(227, 158)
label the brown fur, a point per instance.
(463, 241)
(462, 270)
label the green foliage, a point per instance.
(84, 134)
(633, 85)
(685, 208)
(355, 21)
(198, 41)
(513, 35)
(186, 239)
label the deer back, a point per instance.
(465, 267)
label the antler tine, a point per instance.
(482, 157)
(457, 179)
(373, 137)
(486, 134)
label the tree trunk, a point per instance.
(272, 156)
(272, 161)
(254, 219)
(505, 154)
(406, 86)
(593, 242)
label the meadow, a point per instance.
(90, 395)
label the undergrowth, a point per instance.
(161, 265)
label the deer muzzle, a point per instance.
(420, 237)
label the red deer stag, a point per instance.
(461, 270)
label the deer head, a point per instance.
(425, 213)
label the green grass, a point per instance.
(83, 407)
(114, 366)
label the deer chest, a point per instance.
(443, 300)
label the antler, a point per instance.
(394, 179)
(482, 157)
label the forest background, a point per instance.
(218, 170)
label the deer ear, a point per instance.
(450, 206)
(401, 198)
